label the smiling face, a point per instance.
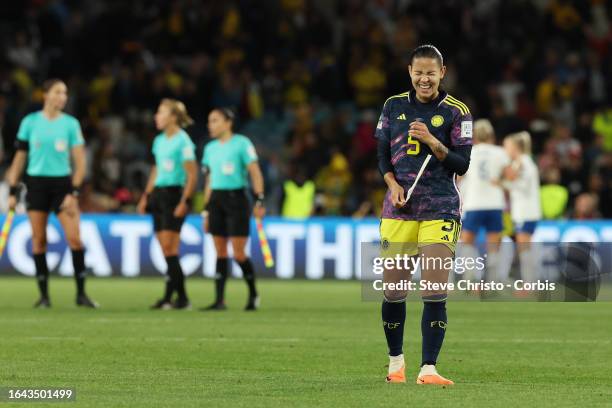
(426, 75)
(57, 96)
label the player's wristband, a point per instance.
(186, 200)
(14, 191)
(259, 199)
(76, 191)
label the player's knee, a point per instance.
(395, 296)
(523, 240)
(168, 249)
(74, 242)
(493, 246)
(240, 257)
(39, 243)
(239, 252)
(221, 249)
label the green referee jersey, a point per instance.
(227, 162)
(49, 143)
(170, 153)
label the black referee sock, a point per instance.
(78, 263)
(169, 287)
(42, 274)
(170, 281)
(433, 328)
(394, 316)
(220, 279)
(249, 276)
(177, 276)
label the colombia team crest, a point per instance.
(437, 121)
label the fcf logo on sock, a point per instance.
(440, 323)
(391, 325)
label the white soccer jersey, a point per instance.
(525, 192)
(479, 192)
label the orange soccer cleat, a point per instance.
(429, 375)
(397, 376)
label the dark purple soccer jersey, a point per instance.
(436, 195)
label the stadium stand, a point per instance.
(307, 79)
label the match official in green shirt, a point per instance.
(168, 193)
(228, 161)
(50, 143)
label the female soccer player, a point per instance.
(167, 195)
(523, 182)
(227, 160)
(484, 196)
(47, 140)
(423, 131)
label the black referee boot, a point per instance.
(252, 304)
(182, 304)
(84, 301)
(43, 303)
(161, 304)
(217, 306)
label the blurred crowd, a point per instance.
(307, 79)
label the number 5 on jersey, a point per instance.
(414, 146)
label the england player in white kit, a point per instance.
(483, 195)
(522, 179)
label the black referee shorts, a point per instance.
(47, 193)
(161, 204)
(229, 213)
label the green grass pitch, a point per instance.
(311, 344)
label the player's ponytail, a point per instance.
(178, 109)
